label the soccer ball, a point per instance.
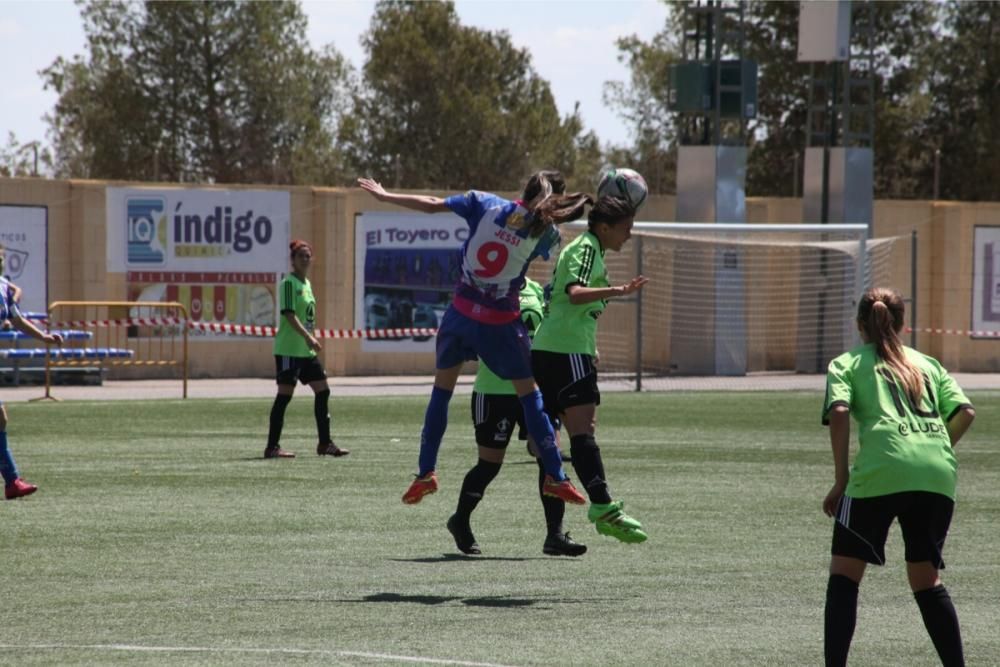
(627, 184)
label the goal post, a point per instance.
(765, 298)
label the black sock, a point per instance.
(841, 617)
(554, 508)
(590, 468)
(474, 486)
(281, 402)
(321, 407)
(941, 622)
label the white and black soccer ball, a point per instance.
(627, 184)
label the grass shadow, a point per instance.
(451, 558)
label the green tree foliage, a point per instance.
(17, 159)
(936, 68)
(448, 106)
(777, 134)
(642, 104)
(964, 120)
(223, 91)
(902, 33)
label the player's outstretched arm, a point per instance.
(423, 203)
(578, 294)
(25, 326)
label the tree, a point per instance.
(902, 33)
(221, 91)
(17, 159)
(902, 36)
(643, 104)
(446, 106)
(964, 120)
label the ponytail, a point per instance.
(880, 313)
(557, 209)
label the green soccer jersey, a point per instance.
(568, 328)
(903, 447)
(531, 297)
(296, 296)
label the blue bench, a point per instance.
(67, 353)
(68, 334)
(85, 363)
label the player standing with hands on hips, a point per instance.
(295, 358)
(484, 316)
(910, 416)
(14, 486)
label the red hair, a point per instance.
(299, 244)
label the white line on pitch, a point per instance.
(286, 651)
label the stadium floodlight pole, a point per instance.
(913, 289)
(638, 316)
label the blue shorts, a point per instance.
(506, 348)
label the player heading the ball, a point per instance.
(483, 318)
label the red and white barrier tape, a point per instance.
(249, 330)
(243, 329)
(956, 332)
(131, 321)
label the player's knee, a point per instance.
(489, 469)
(578, 444)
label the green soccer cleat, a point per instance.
(610, 519)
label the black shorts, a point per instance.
(303, 369)
(862, 526)
(566, 380)
(494, 416)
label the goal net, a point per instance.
(727, 300)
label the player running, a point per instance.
(564, 353)
(910, 415)
(482, 320)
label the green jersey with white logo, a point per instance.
(531, 297)
(903, 447)
(296, 296)
(568, 328)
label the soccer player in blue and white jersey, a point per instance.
(14, 486)
(483, 318)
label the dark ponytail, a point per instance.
(557, 209)
(880, 313)
(545, 182)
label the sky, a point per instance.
(572, 43)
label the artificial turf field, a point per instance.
(159, 536)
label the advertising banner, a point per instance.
(407, 265)
(24, 233)
(220, 253)
(986, 280)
